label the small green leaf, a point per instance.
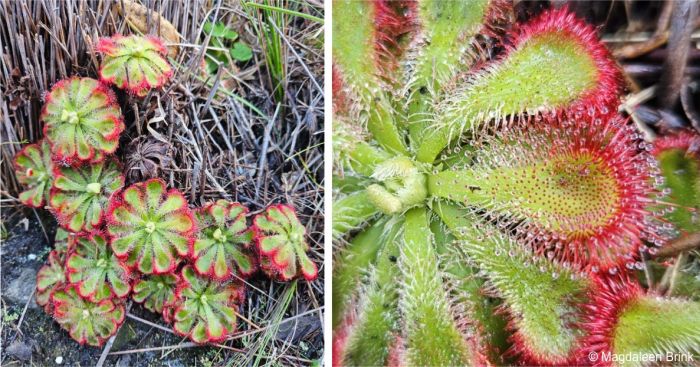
(541, 297)
(550, 68)
(680, 166)
(351, 212)
(355, 56)
(638, 330)
(447, 27)
(212, 67)
(219, 29)
(241, 52)
(374, 329)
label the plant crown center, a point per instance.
(150, 227)
(94, 187)
(401, 185)
(70, 117)
(295, 237)
(219, 235)
(38, 175)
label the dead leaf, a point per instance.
(136, 16)
(146, 158)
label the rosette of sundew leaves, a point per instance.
(50, 277)
(477, 202)
(155, 291)
(95, 271)
(150, 227)
(87, 322)
(222, 247)
(281, 240)
(134, 63)
(82, 120)
(80, 195)
(205, 309)
(34, 170)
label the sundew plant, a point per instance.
(142, 242)
(490, 204)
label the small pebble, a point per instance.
(31, 257)
(59, 360)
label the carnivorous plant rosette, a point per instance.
(97, 273)
(87, 322)
(49, 278)
(150, 227)
(141, 241)
(82, 120)
(205, 309)
(474, 204)
(134, 63)
(222, 247)
(34, 170)
(155, 291)
(282, 244)
(80, 195)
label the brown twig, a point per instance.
(637, 49)
(684, 243)
(24, 311)
(247, 321)
(161, 327)
(673, 279)
(177, 346)
(659, 37)
(105, 351)
(682, 24)
(108, 345)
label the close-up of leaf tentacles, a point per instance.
(491, 206)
